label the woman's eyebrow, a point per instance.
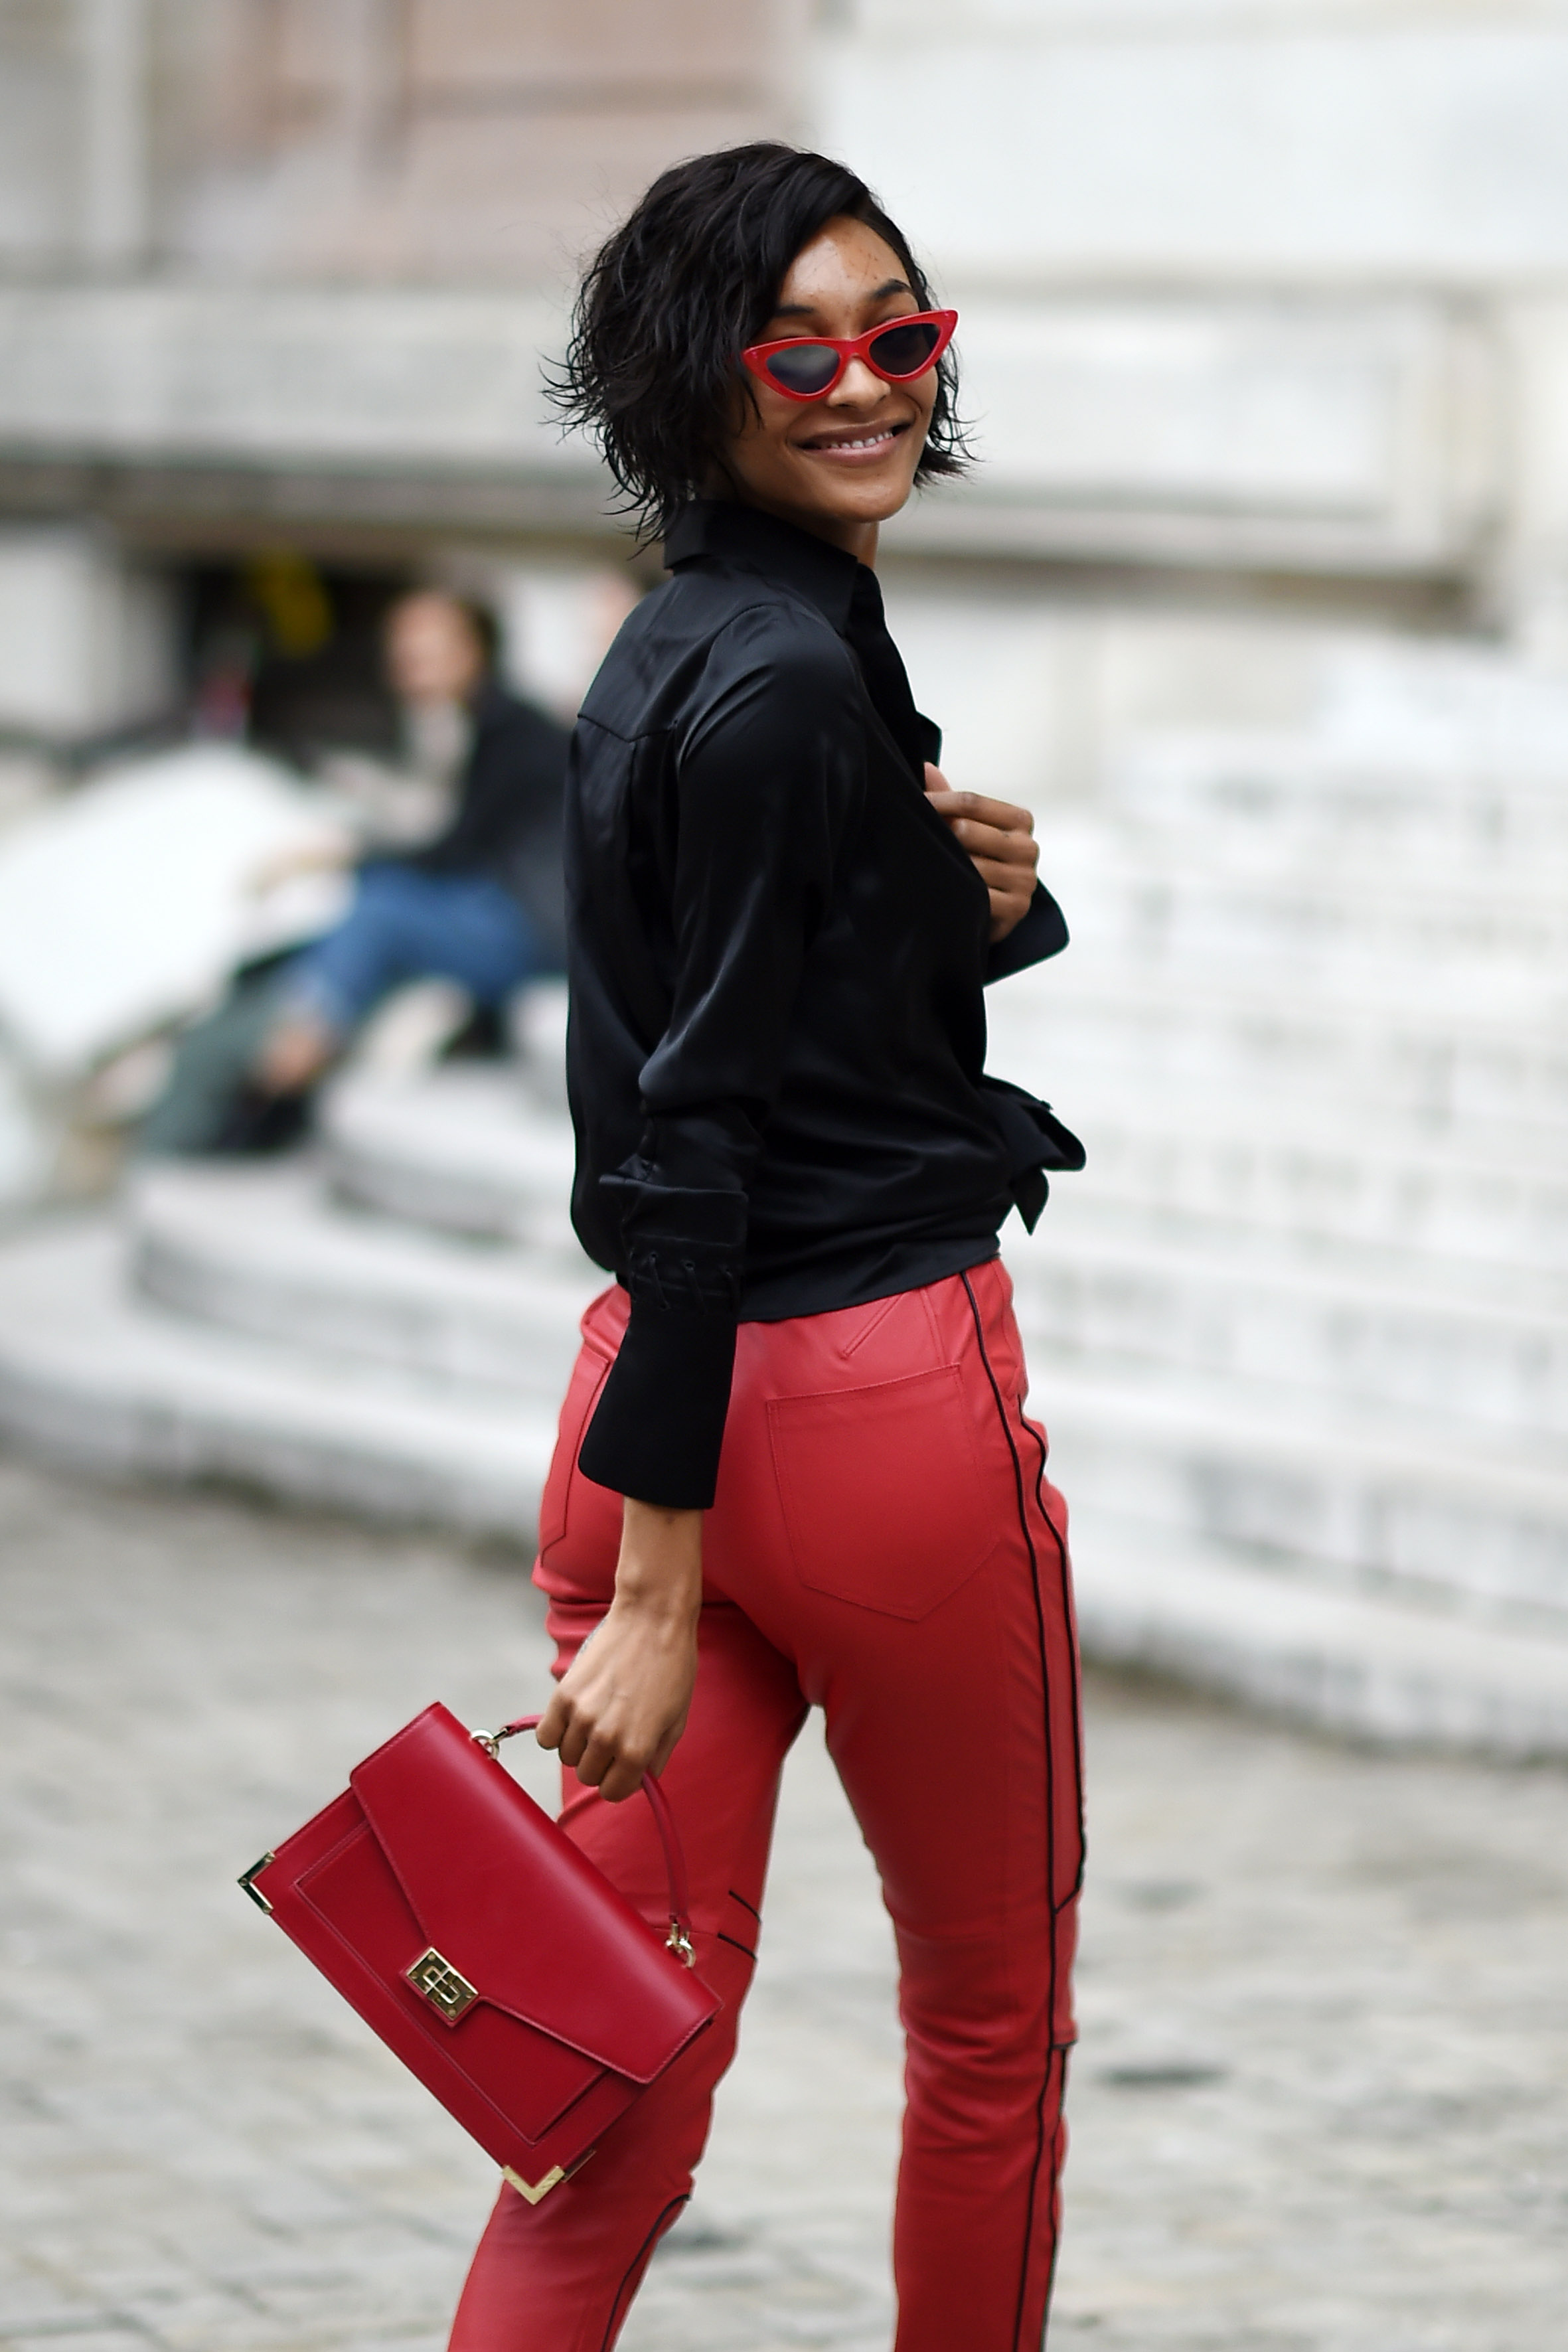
(879, 294)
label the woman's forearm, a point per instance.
(659, 1571)
(623, 1703)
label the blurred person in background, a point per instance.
(480, 904)
(793, 1467)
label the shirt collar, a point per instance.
(762, 543)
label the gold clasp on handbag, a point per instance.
(447, 1989)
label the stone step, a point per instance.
(1202, 904)
(1230, 1459)
(1369, 1499)
(266, 1251)
(93, 1373)
(1352, 1662)
(466, 1149)
(1178, 1498)
(1420, 1339)
(1270, 823)
(1421, 1065)
(1414, 1336)
(1217, 1171)
(469, 1152)
(1500, 806)
(260, 1252)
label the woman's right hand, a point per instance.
(1000, 839)
(623, 1703)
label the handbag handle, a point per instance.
(678, 1939)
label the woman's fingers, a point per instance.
(1010, 882)
(604, 1756)
(555, 1721)
(964, 809)
(983, 838)
(1004, 874)
(978, 807)
(1000, 838)
(622, 1705)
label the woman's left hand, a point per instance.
(622, 1705)
(1001, 841)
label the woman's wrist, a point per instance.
(659, 1573)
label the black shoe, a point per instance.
(482, 1039)
(257, 1124)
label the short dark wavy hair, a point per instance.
(680, 289)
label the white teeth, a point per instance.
(870, 441)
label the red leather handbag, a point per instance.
(486, 1950)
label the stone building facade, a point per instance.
(1263, 298)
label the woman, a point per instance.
(794, 1469)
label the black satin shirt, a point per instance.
(777, 952)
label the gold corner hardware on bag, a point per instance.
(532, 2193)
(539, 2188)
(679, 1942)
(248, 1879)
(447, 1989)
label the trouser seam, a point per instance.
(1049, 2068)
(633, 2276)
(1076, 1707)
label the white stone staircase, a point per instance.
(1299, 1332)
(262, 1323)
(1301, 1329)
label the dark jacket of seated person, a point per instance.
(508, 820)
(482, 905)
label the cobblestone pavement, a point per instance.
(1321, 2104)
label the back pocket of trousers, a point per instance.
(589, 1374)
(883, 1503)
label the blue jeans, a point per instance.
(407, 925)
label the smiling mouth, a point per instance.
(870, 440)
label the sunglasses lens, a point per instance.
(905, 348)
(804, 367)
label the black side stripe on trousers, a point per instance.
(1051, 2054)
(1064, 1573)
(633, 2279)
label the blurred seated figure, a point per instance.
(480, 904)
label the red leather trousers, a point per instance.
(883, 1545)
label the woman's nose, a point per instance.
(857, 384)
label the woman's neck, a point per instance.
(856, 539)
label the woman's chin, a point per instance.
(863, 498)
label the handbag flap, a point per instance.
(501, 1892)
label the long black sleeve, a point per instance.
(766, 781)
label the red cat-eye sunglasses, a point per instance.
(807, 367)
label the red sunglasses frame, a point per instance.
(856, 347)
